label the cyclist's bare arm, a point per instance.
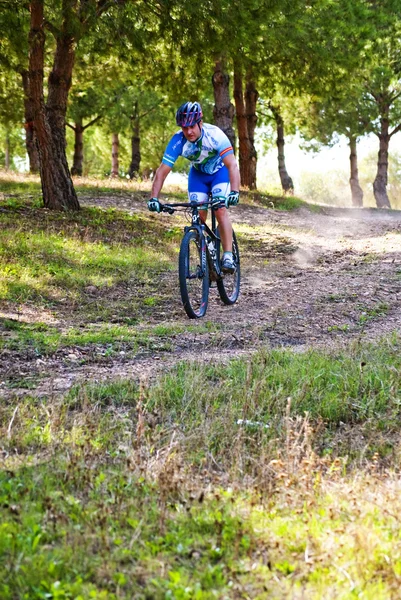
(232, 166)
(160, 177)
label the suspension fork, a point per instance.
(196, 226)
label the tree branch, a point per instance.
(149, 111)
(92, 122)
(394, 98)
(395, 130)
(50, 27)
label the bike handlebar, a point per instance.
(170, 208)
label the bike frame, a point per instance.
(201, 227)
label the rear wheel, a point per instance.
(229, 283)
(193, 276)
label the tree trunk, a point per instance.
(251, 98)
(135, 144)
(223, 110)
(49, 120)
(78, 160)
(356, 190)
(30, 140)
(246, 151)
(380, 182)
(114, 155)
(286, 181)
(7, 152)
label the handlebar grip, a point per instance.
(166, 208)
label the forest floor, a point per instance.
(311, 277)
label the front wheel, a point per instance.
(193, 275)
(229, 283)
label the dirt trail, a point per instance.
(309, 279)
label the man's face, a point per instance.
(192, 133)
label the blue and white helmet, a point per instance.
(189, 114)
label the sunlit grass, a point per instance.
(46, 256)
(35, 265)
(46, 339)
(13, 183)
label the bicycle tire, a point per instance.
(193, 276)
(229, 283)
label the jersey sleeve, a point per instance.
(224, 147)
(173, 150)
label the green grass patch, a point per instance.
(286, 203)
(374, 312)
(109, 338)
(18, 188)
(360, 387)
(43, 266)
(49, 258)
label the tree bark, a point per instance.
(251, 98)
(78, 160)
(135, 144)
(223, 110)
(247, 154)
(380, 182)
(7, 152)
(286, 181)
(30, 140)
(114, 155)
(49, 120)
(356, 190)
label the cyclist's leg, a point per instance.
(198, 189)
(221, 187)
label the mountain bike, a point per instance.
(199, 262)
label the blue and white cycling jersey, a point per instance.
(206, 154)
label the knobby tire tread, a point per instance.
(189, 243)
(230, 296)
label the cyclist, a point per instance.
(214, 170)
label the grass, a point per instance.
(281, 202)
(45, 339)
(122, 490)
(67, 262)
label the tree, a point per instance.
(382, 82)
(223, 110)
(286, 181)
(49, 119)
(360, 96)
(16, 106)
(246, 122)
(314, 76)
(70, 22)
(150, 107)
(79, 129)
(343, 112)
(386, 95)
